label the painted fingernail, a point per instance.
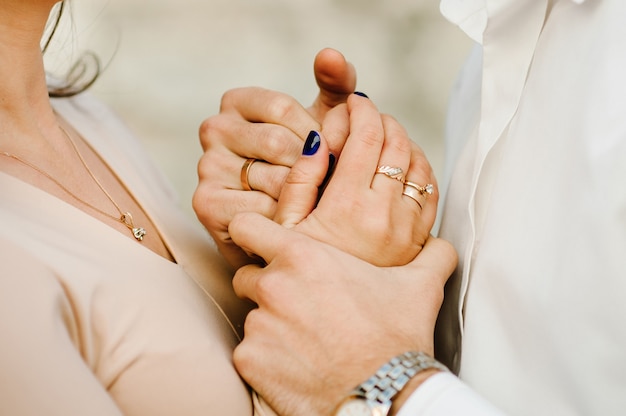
(312, 143)
(331, 169)
(361, 94)
(329, 173)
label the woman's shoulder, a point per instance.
(31, 297)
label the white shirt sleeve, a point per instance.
(444, 394)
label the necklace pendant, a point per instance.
(124, 218)
(139, 232)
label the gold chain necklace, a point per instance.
(125, 217)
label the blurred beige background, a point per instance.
(169, 61)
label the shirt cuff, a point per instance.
(444, 394)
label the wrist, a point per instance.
(390, 386)
(408, 390)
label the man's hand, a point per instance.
(326, 320)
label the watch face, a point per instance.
(356, 407)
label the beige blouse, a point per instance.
(91, 322)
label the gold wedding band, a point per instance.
(414, 194)
(391, 172)
(245, 171)
(418, 193)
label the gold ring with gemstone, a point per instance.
(425, 190)
(392, 172)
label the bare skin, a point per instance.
(330, 310)
(271, 126)
(30, 127)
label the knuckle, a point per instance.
(253, 321)
(272, 178)
(388, 118)
(402, 144)
(280, 145)
(204, 167)
(229, 98)
(392, 124)
(244, 355)
(422, 168)
(205, 127)
(199, 202)
(209, 130)
(294, 254)
(277, 177)
(241, 220)
(200, 198)
(205, 210)
(417, 151)
(298, 176)
(370, 135)
(419, 160)
(213, 170)
(201, 167)
(281, 106)
(275, 144)
(267, 289)
(241, 358)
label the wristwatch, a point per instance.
(374, 396)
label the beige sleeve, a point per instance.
(41, 369)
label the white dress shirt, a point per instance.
(534, 320)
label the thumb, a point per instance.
(437, 256)
(299, 194)
(249, 230)
(336, 79)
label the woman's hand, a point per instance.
(362, 212)
(264, 125)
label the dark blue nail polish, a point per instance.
(361, 94)
(312, 143)
(329, 173)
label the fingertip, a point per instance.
(312, 143)
(243, 282)
(249, 230)
(356, 100)
(329, 55)
(334, 74)
(445, 252)
(238, 223)
(244, 224)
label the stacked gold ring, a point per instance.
(417, 193)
